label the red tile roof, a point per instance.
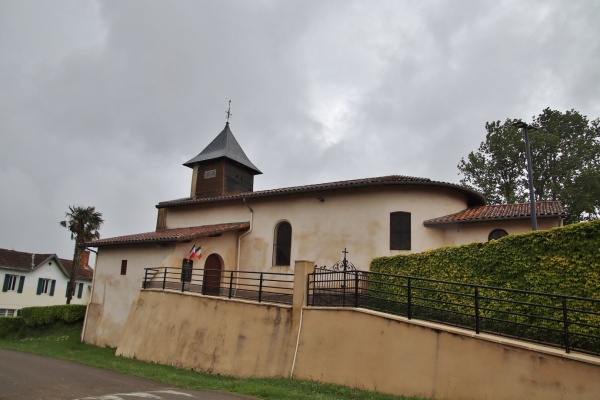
(85, 272)
(176, 235)
(474, 198)
(544, 209)
(22, 261)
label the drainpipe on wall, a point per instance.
(91, 295)
(240, 240)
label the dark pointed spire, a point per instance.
(224, 145)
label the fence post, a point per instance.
(476, 309)
(566, 325)
(299, 298)
(356, 289)
(307, 291)
(230, 283)
(165, 278)
(344, 290)
(409, 299)
(260, 288)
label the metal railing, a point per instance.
(568, 322)
(254, 286)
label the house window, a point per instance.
(211, 173)
(46, 286)
(282, 245)
(497, 234)
(123, 267)
(400, 230)
(13, 283)
(7, 312)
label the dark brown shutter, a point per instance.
(400, 230)
(283, 247)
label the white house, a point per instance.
(239, 229)
(30, 280)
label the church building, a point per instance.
(231, 227)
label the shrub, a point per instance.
(11, 326)
(37, 316)
(563, 261)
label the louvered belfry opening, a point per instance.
(222, 168)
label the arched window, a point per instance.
(400, 230)
(282, 244)
(497, 234)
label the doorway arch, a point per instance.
(211, 283)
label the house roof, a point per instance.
(473, 198)
(224, 145)
(544, 209)
(177, 235)
(26, 262)
(85, 272)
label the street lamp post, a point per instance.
(526, 128)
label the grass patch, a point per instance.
(62, 340)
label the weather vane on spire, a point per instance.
(229, 111)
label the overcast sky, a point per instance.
(102, 101)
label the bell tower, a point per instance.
(222, 168)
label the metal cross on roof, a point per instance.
(228, 113)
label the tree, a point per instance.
(84, 223)
(565, 158)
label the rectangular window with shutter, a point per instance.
(13, 283)
(46, 286)
(400, 230)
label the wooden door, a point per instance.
(212, 275)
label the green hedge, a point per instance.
(563, 260)
(37, 316)
(10, 326)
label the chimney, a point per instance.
(85, 258)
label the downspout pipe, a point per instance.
(87, 308)
(239, 247)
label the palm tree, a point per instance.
(83, 222)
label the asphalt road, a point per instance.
(31, 377)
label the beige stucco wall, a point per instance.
(228, 337)
(464, 233)
(354, 219)
(113, 294)
(420, 359)
(351, 347)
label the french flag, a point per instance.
(198, 253)
(195, 252)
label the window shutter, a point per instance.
(80, 291)
(40, 284)
(68, 286)
(6, 281)
(21, 284)
(52, 287)
(400, 234)
(283, 247)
